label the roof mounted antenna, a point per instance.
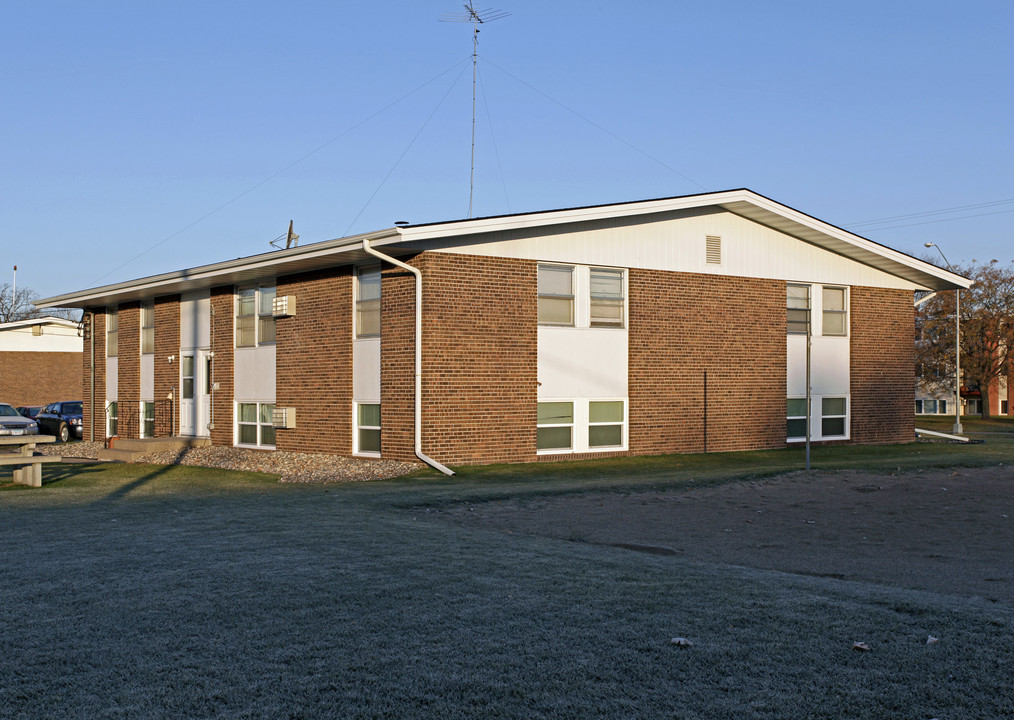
(476, 17)
(291, 239)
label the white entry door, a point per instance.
(195, 392)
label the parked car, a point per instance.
(62, 419)
(14, 423)
(30, 411)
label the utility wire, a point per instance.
(496, 150)
(279, 172)
(928, 213)
(930, 222)
(405, 151)
(596, 125)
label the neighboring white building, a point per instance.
(40, 361)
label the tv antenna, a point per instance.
(477, 17)
(291, 239)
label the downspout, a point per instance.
(91, 421)
(418, 354)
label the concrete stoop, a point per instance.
(130, 449)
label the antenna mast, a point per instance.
(476, 17)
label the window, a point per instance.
(555, 429)
(834, 314)
(368, 428)
(187, 376)
(798, 308)
(606, 298)
(368, 301)
(112, 416)
(254, 424)
(147, 327)
(1003, 407)
(112, 332)
(795, 426)
(832, 417)
(147, 419)
(605, 423)
(255, 324)
(556, 295)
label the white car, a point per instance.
(13, 423)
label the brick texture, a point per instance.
(98, 333)
(479, 359)
(129, 369)
(314, 362)
(223, 364)
(166, 380)
(883, 362)
(39, 378)
(683, 325)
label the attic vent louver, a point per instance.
(713, 250)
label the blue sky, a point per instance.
(192, 132)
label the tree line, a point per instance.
(19, 304)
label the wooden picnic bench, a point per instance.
(27, 465)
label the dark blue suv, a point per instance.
(62, 419)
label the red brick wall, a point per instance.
(480, 358)
(397, 363)
(685, 324)
(882, 365)
(129, 370)
(222, 326)
(39, 378)
(98, 332)
(314, 362)
(167, 374)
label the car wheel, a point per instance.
(64, 432)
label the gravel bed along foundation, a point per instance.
(290, 466)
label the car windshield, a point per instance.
(7, 411)
(72, 408)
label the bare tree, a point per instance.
(21, 306)
(987, 331)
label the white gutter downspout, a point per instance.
(418, 354)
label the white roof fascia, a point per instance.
(292, 260)
(48, 320)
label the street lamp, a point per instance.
(957, 345)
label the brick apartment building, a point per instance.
(675, 325)
(40, 361)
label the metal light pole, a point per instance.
(957, 345)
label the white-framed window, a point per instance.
(606, 297)
(973, 406)
(1003, 408)
(147, 419)
(368, 301)
(112, 332)
(795, 423)
(605, 424)
(112, 418)
(834, 311)
(798, 308)
(254, 424)
(187, 377)
(367, 437)
(555, 426)
(147, 327)
(255, 322)
(556, 295)
(833, 417)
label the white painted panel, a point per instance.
(829, 365)
(54, 338)
(582, 363)
(676, 241)
(148, 377)
(254, 374)
(195, 320)
(366, 370)
(112, 378)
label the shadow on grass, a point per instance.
(76, 471)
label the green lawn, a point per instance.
(150, 592)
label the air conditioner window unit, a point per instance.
(283, 306)
(284, 418)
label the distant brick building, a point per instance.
(40, 361)
(661, 326)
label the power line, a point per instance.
(596, 125)
(927, 213)
(930, 222)
(289, 166)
